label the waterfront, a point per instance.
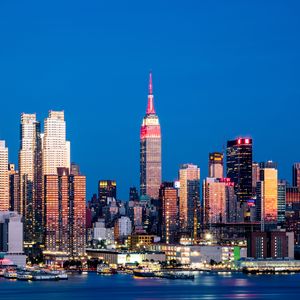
(205, 286)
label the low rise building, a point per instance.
(11, 237)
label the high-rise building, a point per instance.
(56, 149)
(65, 198)
(168, 196)
(214, 201)
(75, 169)
(150, 150)
(4, 178)
(220, 205)
(107, 189)
(133, 194)
(255, 177)
(14, 189)
(292, 195)
(267, 196)
(215, 165)
(296, 174)
(281, 202)
(239, 167)
(189, 198)
(30, 173)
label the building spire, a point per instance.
(150, 84)
(150, 107)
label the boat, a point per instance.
(61, 275)
(42, 276)
(169, 275)
(10, 274)
(143, 273)
(103, 269)
(24, 275)
(2, 271)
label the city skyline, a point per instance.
(210, 62)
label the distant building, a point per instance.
(168, 196)
(271, 244)
(281, 202)
(106, 189)
(65, 205)
(133, 194)
(255, 177)
(100, 232)
(75, 169)
(11, 237)
(267, 196)
(31, 178)
(14, 189)
(123, 227)
(220, 204)
(4, 178)
(150, 150)
(189, 198)
(215, 165)
(296, 175)
(239, 169)
(214, 201)
(56, 149)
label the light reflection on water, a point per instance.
(205, 286)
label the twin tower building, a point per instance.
(47, 190)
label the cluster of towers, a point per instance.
(237, 191)
(46, 190)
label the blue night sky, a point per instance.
(220, 69)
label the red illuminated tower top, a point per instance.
(150, 106)
(150, 127)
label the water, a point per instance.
(205, 286)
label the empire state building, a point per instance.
(150, 150)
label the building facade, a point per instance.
(239, 166)
(215, 165)
(189, 198)
(168, 196)
(150, 150)
(267, 196)
(65, 207)
(30, 174)
(56, 149)
(4, 177)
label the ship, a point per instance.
(10, 274)
(24, 275)
(144, 272)
(104, 269)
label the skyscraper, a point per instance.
(239, 166)
(189, 198)
(150, 150)
(4, 178)
(281, 203)
(239, 170)
(168, 196)
(65, 212)
(30, 168)
(106, 189)
(56, 149)
(219, 200)
(296, 174)
(267, 195)
(215, 165)
(14, 189)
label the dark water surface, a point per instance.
(205, 286)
